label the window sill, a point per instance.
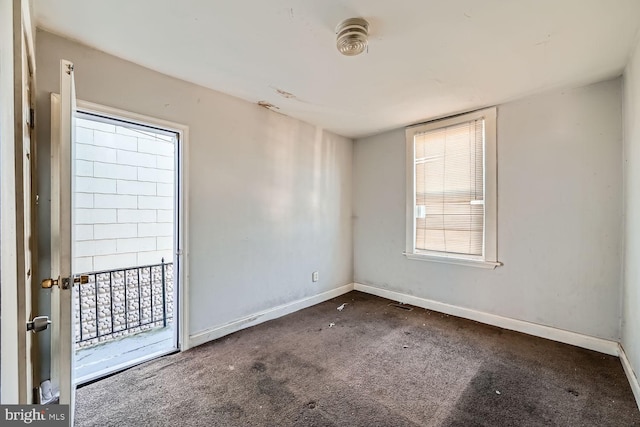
(451, 260)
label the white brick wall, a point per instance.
(83, 232)
(137, 215)
(155, 175)
(136, 187)
(84, 200)
(164, 215)
(136, 159)
(95, 216)
(95, 185)
(115, 201)
(110, 231)
(124, 185)
(155, 202)
(109, 170)
(95, 153)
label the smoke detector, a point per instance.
(352, 36)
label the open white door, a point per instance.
(62, 129)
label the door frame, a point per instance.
(8, 237)
(24, 72)
(19, 372)
(181, 201)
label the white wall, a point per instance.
(559, 216)
(631, 285)
(124, 184)
(269, 196)
(8, 266)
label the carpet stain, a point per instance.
(529, 408)
(287, 361)
(277, 391)
(572, 391)
(259, 367)
(505, 394)
(231, 410)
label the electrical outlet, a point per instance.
(314, 276)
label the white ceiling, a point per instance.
(426, 58)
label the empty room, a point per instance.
(320, 213)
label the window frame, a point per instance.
(489, 258)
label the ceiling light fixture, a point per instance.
(352, 36)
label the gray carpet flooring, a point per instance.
(371, 364)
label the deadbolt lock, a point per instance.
(48, 283)
(81, 279)
(38, 324)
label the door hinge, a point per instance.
(32, 118)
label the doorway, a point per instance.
(126, 234)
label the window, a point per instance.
(451, 190)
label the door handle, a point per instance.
(48, 283)
(38, 324)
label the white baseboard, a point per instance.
(548, 332)
(263, 316)
(633, 378)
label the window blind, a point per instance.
(449, 189)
